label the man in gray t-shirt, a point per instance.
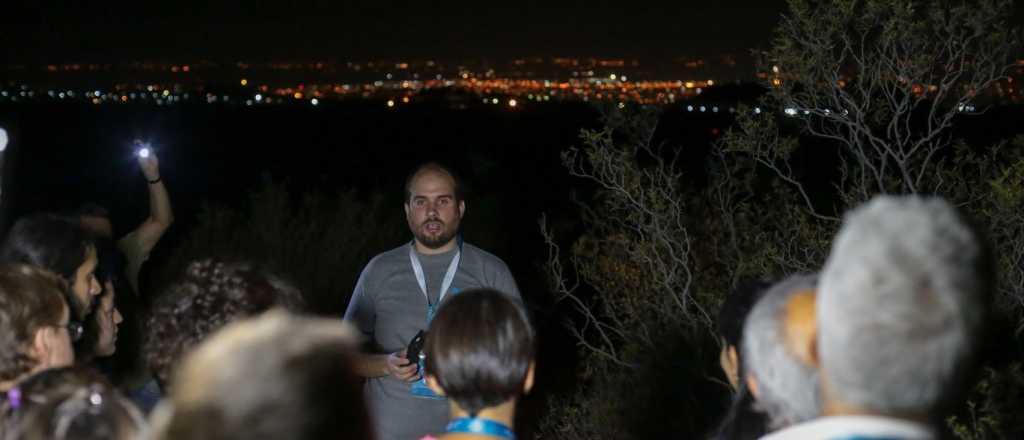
(400, 289)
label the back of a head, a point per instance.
(71, 403)
(30, 298)
(55, 243)
(901, 301)
(272, 377)
(787, 386)
(208, 296)
(480, 347)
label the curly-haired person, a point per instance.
(208, 296)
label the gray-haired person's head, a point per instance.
(787, 386)
(901, 301)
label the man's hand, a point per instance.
(400, 368)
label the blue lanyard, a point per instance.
(480, 426)
(421, 279)
(864, 437)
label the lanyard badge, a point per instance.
(491, 428)
(420, 388)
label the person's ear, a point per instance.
(41, 346)
(528, 383)
(734, 357)
(434, 385)
(752, 386)
(462, 208)
(407, 208)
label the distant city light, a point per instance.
(259, 97)
(790, 111)
(703, 109)
(512, 103)
(297, 95)
(494, 101)
(757, 110)
(689, 108)
(244, 82)
(391, 103)
(624, 79)
(166, 93)
(612, 76)
(775, 69)
(711, 82)
(3, 139)
(314, 101)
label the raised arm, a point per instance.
(160, 214)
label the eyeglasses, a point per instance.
(75, 330)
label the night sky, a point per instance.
(52, 31)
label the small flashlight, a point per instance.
(3, 139)
(142, 149)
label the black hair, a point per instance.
(210, 295)
(54, 243)
(742, 421)
(736, 307)
(479, 348)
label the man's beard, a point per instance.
(435, 241)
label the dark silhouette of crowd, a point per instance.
(437, 342)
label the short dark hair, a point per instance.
(209, 295)
(52, 242)
(30, 298)
(479, 348)
(433, 167)
(737, 306)
(297, 375)
(71, 403)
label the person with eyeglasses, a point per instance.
(36, 329)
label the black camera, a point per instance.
(412, 352)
